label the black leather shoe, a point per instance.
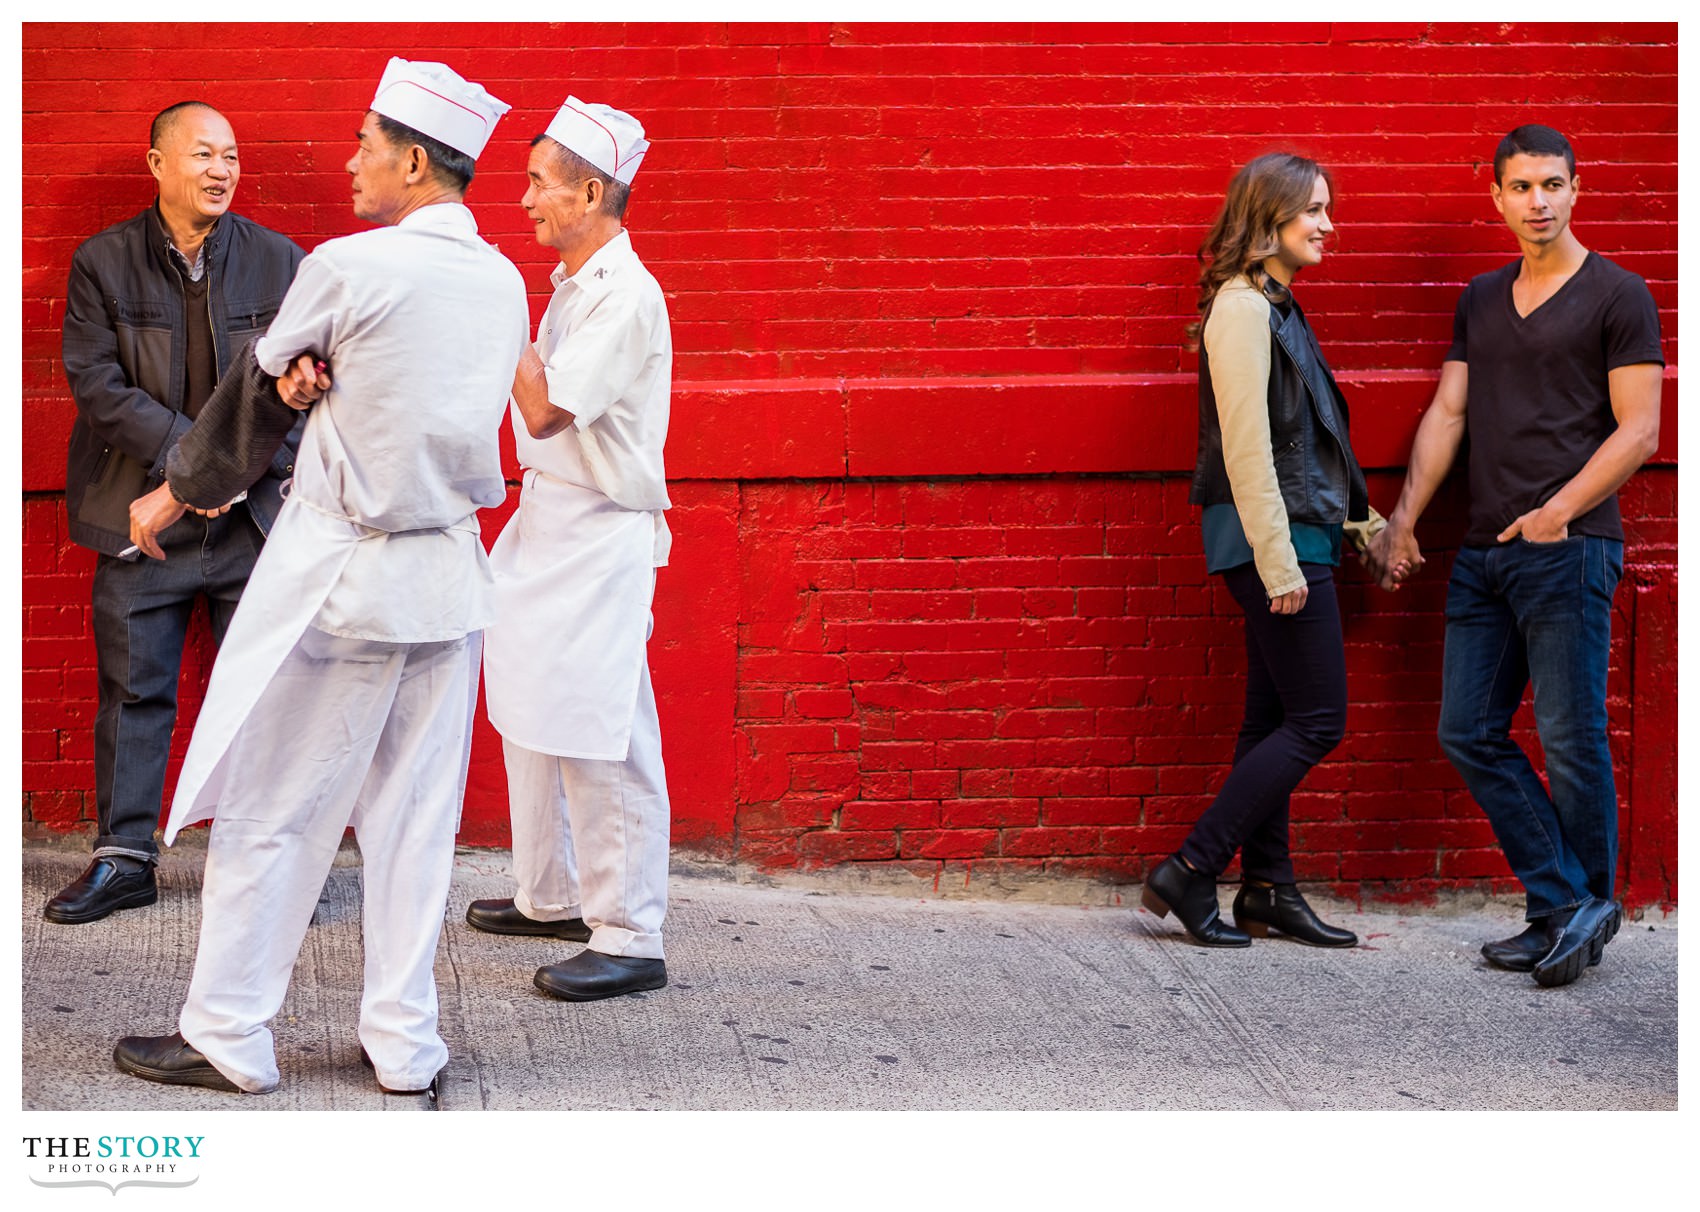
(591, 975)
(500, 917)
(1259, 907)
(1192, 897)
(170, 1059)
(434, 1090)
(1522, 952)
(1597, 949)
(101, 889)
(1581, 942)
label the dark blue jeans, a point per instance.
(141, 619)
(1295, 713)
(1536, 612)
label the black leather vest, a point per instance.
(1318, 475)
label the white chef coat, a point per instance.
(406, 397)
(574, 566)
(378, 539)
(344, 690)
(615, 376)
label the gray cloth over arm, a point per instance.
(233, 438)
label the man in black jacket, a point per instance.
(156, 307)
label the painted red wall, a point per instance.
(937, 598)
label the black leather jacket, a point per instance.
(125, 345)
(1318, 475)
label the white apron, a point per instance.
(574, 576)
(304, 555)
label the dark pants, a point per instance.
(141, 619)
(1295, 713)
(1537, 612)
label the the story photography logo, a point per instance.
(114, 1161)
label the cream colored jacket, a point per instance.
(1238, 341)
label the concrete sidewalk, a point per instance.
(793, 998)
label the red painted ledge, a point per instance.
(919, 428)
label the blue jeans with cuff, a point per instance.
(1538, 613)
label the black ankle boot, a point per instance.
(1258, 907)
(1192, 896)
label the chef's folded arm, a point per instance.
(531, 392)
(233, 438)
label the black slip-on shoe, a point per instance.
(432, 1091)
(170, 1059)
(590, 976)
(501, 917)
(1607, 932)
(1580, 943)
(1522, 952)
(101, 889)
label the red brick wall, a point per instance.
(936, 597)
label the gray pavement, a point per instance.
(816, 995)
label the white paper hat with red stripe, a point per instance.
(434, 100)
(611, 140)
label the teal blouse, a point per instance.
(1225, 546)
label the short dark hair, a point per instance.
(615, 194)
(449, 165)
(166, 118)
(1532, 140)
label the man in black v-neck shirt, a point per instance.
(1555, 373)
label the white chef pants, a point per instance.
(590, 837)
(348, 732)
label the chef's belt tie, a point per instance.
(363, 532)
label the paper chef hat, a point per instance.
(609, 139)
(434, 101)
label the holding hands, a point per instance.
(1393, 555)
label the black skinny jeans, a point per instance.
(1295, 713)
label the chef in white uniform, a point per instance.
(343, 693)
(566, 666)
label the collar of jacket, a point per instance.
(1296, 338)
(159, 238)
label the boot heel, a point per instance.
(1252, 926)
(1153, 902)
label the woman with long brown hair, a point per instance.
(1281, 490)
